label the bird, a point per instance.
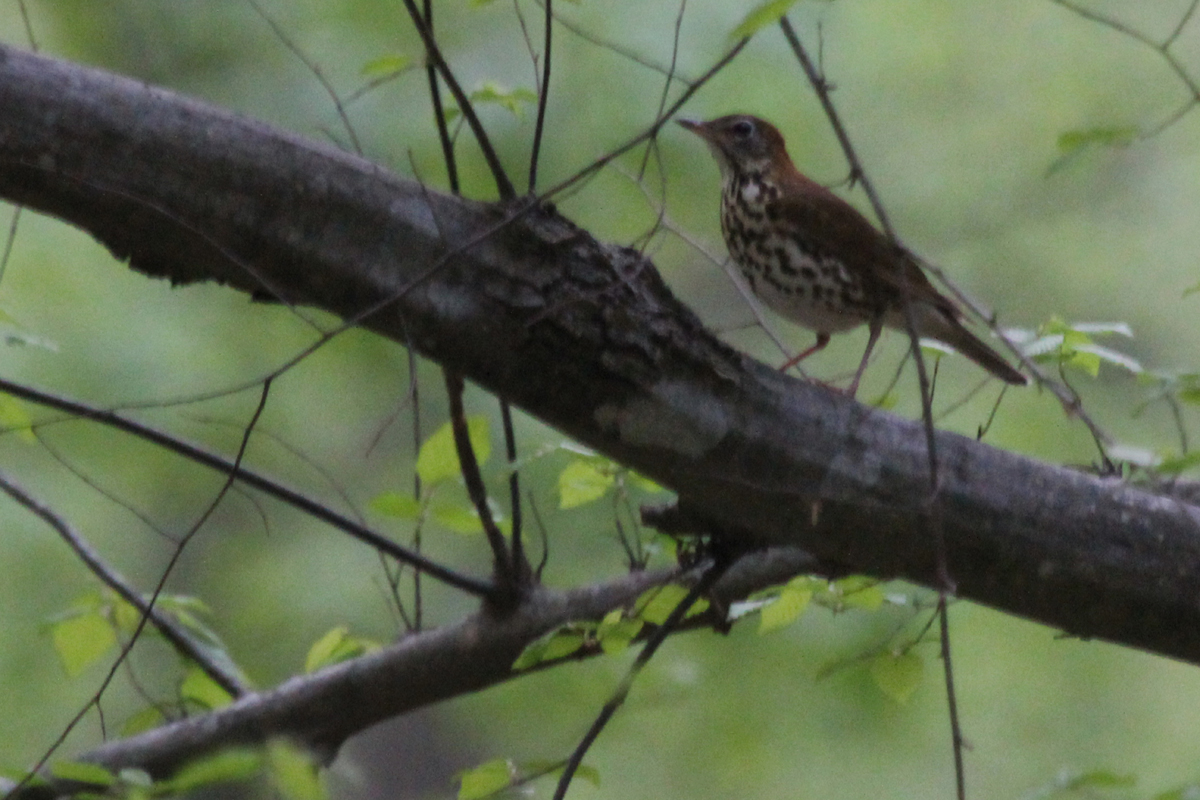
(814, 259)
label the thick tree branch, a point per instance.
(585, 336)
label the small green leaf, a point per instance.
(438, 459)
(897, 674)
(644, 483)
(1101, 779)
(512, 99)
(396, 504)
(142, 721)
(558, 643)
(655, 605)
(1114, 136)
(583, 481)
(386, 65)
(616, 631)
(1189, 791)
(15, 418)
(336, 646)
(293, 772)
(1191, 290)
(460, 519)
(857, 591)
(82, 772)
(486, 779)
(787, 608)
(1073, 144)
(760, 17)
(235, 764)
(81, 640)
(588, 773)
(886, 401)
(1177, 464)
(199, 688)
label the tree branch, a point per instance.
(323, 709)
(585, 337)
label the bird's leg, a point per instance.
(822, 340)
(876, 326)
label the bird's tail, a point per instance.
(937, 324)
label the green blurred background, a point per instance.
(956, 107)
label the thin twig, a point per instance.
(448, 576)
(662, 100)
(1163, 48)
(154, 595)
(711, 571)
(439, 113)
(12, 237)
(956, 734)
(650, 131)
(543, 97)
(33, 45)
(933, 504)
(434, 54)
(172, 631)
(613, 47)
(502, 563)
(315, 70)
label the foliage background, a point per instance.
(955, 107)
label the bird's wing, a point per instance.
(842, 233)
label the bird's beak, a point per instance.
(694, 125)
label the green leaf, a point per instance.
(235, 764)
(143, 720)
(1073, 144)
(644, 483)
(486, 779)
(336, 646)
(1192, 290)
(1114, 136)
(897, 674)
(1101, 779)
(293, 772)
(82, 639)
(386, 65)
(588, 773)
(583, 481)
(856, 591)
(616, 631)
(438, 459)
(82, 772)
(556, 644)
(512, 99)
(787, 608)
(655, 605)
(760, 17)
(199, 688)
(14, 418)
(1178, 464)
(465, 519)
(396, 504)
(1189, 791)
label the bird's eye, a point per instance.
(743, 128)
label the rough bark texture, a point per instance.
(585, 336)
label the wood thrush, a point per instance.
(814, 259)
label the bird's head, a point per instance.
(741, 143)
